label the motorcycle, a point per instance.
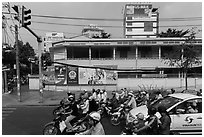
(128, 129)
(105, 109)
(58, 126)
(61, 108)
(119, 115)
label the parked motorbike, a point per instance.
(58, 126)
(119, 115)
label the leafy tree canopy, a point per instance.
(173, 33)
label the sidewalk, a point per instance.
(33, 98)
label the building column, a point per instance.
(136, 52)
(159, 52)
(136, 56)
(113, 53)
(89, 55)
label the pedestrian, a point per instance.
(165, 121)
(152, 126)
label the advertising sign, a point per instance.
(97, 76)
(49, 75)
(60, 75)
(72, 75)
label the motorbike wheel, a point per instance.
(50, 129)
(115, 121)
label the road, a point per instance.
(29, 120)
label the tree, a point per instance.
(173, 33)
(103, 35)
(25, 52)
(185, 55)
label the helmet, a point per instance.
(152, 110)
(101, 91)
(162, 109)
(143, 92)
(131, 93)
(85, 90)
(95, 115)
(140, 116)
(71, 97)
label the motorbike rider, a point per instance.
(131, 100)
(151, 128)
(96, 126)
(142, 98)
(73, 113)
(102, 96)
(165, 121)
(139, 123)
(84, 105)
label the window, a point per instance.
(148, 26)
(128, 36)
(129, 24)
(129, 29)
(129, 18)
(189, 106)
(166, 101)
(123, 54)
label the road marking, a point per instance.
(6, 111)
(8, 108)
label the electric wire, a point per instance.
(103, 19)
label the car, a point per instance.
(183, 120)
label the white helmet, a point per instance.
(95, 115)
(131, 93)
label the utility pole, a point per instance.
(39, 39)
(17, 64)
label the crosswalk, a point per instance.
(6, 111)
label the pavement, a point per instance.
(33, 98)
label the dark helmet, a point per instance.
(152, 110)
(162, 109)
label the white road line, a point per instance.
(7, 111)
(5, 108)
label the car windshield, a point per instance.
(167, 102)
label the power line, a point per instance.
(41, 22)
(55, 30)
(105, 19)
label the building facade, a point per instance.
(141, 20)
(51, 37)
(135, 62)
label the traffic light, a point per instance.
(26, 17)
(44, 65)
(16, 9)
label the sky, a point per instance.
(103, 10)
